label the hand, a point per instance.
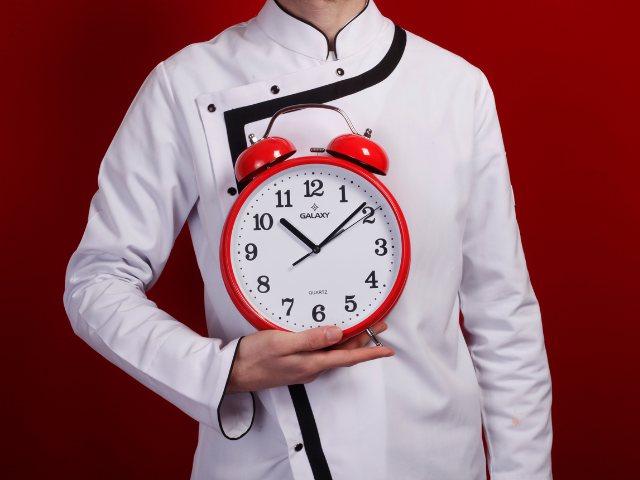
(284, 222)
(272, 358)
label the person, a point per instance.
(280, 405)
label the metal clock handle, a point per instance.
(302, 106)
(374, 337)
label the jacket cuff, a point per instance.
(237, 411)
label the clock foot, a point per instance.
(374, 337)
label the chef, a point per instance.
(275, 405)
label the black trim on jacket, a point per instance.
(335, 39)
(253, 399)
(310, 24)
(310, 435)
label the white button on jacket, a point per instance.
(417, 415)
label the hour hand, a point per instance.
(314, 248)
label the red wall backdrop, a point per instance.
(565, 74)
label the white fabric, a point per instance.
(416, 415)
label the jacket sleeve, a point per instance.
(147, 188)
(501, 315)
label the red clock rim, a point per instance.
(258, 320)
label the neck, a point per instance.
(327, 15)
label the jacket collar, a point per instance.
(305, 38)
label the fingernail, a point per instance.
(383, 327)
(333, 334)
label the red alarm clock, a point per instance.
(314, 240)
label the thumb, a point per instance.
(316, 338)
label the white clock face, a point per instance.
(343, 283)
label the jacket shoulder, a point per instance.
(220, 48)
(438, 60)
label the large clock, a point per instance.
(314, 241)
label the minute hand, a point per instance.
(336, 232)
(355, 212)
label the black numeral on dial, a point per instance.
(351, 305)
(252, 251)
(371, 279)
(311, 185)
(344, 195)
(264, 222)
(288, 300)
(382, 243)
(263, 284)
(318, 313)
(286, 194)
(368, 211)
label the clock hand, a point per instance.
(354, 223)
(336, 232)
(314, 248)
(340, 232)
(355, 212)
(300, 259)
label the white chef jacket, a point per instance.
(416, 415)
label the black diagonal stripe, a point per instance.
(310, 435)
(237, 118)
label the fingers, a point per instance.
(361, 339)
(349, 358)
(312, 339)
(323, 337)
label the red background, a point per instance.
(565, 76)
